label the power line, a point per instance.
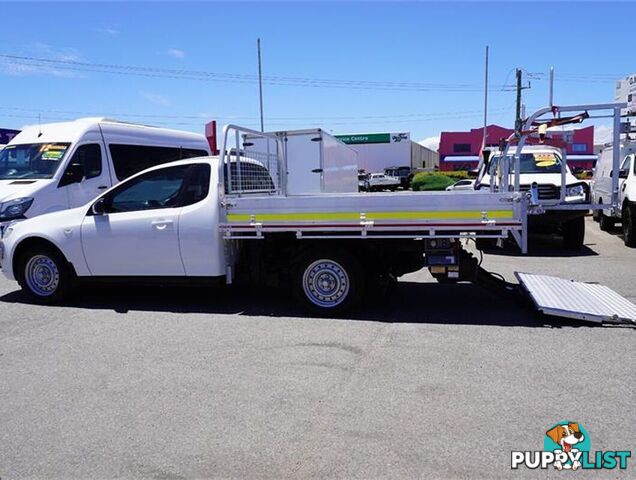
(162, 122)
(47, 64)
(202, 117)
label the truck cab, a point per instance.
(541, 165)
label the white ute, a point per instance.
(541, 165)
(232, 217)
(57, 166)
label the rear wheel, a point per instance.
(328, 281)
(629, 226)
(574, 233)
(44, 275)
(605, 223)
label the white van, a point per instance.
(602, 191)
(541, 164)
(57, 166)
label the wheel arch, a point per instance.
(33, 242)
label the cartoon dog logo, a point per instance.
(566, 436)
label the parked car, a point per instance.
(541, 164)
(403, 173)
(467, 184)
(380, 181)
(602, 191)
(57, 166)
(362, 181)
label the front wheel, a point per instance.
(574, 233)
(44, 275)
(328, 282)
(629, 226)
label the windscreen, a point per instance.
(536, 162)
(31, 161)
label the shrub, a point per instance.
(436, 180)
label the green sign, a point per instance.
(365, 138)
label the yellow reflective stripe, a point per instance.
(355, 216)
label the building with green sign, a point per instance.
(377, 151)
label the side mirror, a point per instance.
(74, 174)
(99, 207)
(623, 173)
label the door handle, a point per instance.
(102, 187)
(161, 224)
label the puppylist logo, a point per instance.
(566, 446)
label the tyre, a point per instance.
(596, 215)
(574, 233)
(604, 222)
(44, 275)
(328, 281)
(629, 226)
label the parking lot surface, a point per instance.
(435, 381)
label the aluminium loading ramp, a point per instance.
(578, 300)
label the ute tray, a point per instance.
(578, 300)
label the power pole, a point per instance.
(518, 110)
(260, 82)
(551, 86)
(485, 140)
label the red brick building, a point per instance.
(460, 150)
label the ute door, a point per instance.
(135, 232)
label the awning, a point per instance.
(461, 158)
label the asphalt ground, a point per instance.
(435, 381)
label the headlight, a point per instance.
(15, 208)
(575, 191)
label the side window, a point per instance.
(89, 156)
(131, 159)
(153, 190)
(197, 185)
(627, 163)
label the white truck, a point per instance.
(541, 166)
(602, 191)
(232, 218)
(56, 166)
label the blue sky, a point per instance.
(437, 49)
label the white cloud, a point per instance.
(602, 134)
(108, 31)
(430, 142)
(22, 67)
(175, 52)
(156, 98)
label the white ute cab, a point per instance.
(541, 164)
(56, 166)
(159, 223)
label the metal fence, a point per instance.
(251, 161)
